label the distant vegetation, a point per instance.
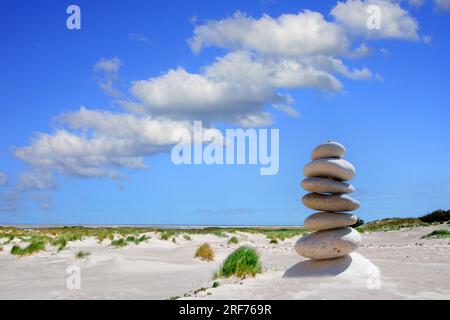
(205, 252)
(241, 263)
(282, 234)
(391, 224)
(436, 216)
(28, 241)
(437, 234)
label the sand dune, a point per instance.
(410, 268)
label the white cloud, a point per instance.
(396, 23)
(238, 87)
(442, 5)
(35, 180)
(290, 35)
(108, 65)
(106, 72)
(3, 179)
(98, 143)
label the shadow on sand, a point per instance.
(319, 268)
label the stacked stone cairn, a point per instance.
(332, 235)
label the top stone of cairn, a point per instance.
(329, 149)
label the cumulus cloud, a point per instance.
(442, 5)
(290, 35)
(98, 143)
(396, 23)
(238, 87)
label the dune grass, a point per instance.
(233, 240)
(273, 241)
(119, 243)
(283, 234)
(34, 246)
(82, 254)
(60, 242)
(437, 234)
(243, 262)
(137, 240)
(166, 235)
(187, 237)
(205, 252)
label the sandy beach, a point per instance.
(409, 268)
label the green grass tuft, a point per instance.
(437, 234)
(34, 246)
(60, 242)
(136, 240)
(119, 243)
(187, 237)
(273, 241)
(82, 254)
(241, 263)
(205, 252)
(233, 240)
(166, 235)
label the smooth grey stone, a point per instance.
(324, 185)
(328, 244)
(339, 169)
(328, 149)
(329, 220)
(330, 202)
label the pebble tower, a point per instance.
(326, 177)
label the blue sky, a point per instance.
(383, 94)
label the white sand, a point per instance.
(409, 268)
